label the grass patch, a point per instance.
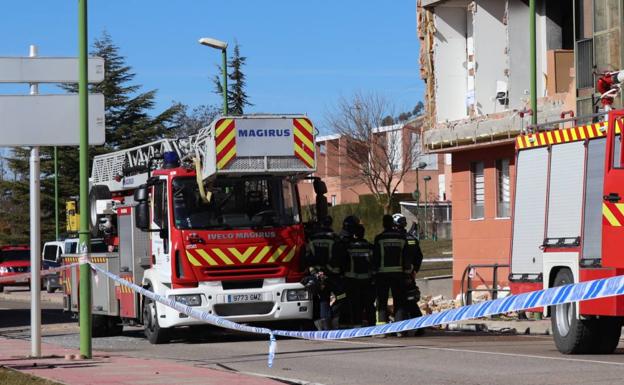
(435, 269)
(12, 377)
(438, 248)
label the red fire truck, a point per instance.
(568, 224)
(213, 221)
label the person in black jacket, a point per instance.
(322, 244)
(412, 292)
(358, 274)
(392, 264)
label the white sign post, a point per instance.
(35, 241)
(44, 120)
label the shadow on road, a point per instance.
(21, 317)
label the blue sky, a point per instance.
(302, 55)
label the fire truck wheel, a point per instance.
(99, 326)
(608, 331)
(572, 335)
(153, 332)
(1, 288)
(115, 326)
(97, 192)
(49, 288)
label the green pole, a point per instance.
(533, 59)
(84, 244)
(225, 100)
(56, 207)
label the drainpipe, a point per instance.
(533, 59)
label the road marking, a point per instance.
(518, 355)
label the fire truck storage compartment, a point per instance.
(573, 203)
(529, 209)
(102, 288)
(592, 226)
(133, 245)
(565, 198)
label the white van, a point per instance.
(51, 257)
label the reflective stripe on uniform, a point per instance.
(391, 242)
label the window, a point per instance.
(478, 190)
(503, 206)
(14, 255)
(235, 203)
(50, 253)
(160, 205)
(322, 148)
(333, 200)
(617, 151)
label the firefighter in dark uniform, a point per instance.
(358, 274)
(391, 263)
(336, 268)
(321, 244)
(412, 292)
(324, 260)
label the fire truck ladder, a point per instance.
(109, 169)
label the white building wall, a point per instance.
(450, 63)
(490, 42)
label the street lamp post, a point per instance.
(421, 165)
(416, 194)
(218, 44)
(427, 178)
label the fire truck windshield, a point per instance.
(14, 255)
(235, 203)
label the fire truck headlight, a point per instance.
(4, 270)
(188, 299)
(297, 295)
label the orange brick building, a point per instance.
(345, 187)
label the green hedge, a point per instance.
(368, 210)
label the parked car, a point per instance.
(14, 260)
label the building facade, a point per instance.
(344, 185)
(475, 64)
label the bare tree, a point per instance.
(188, 122)
(379, 156)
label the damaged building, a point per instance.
(476, 63)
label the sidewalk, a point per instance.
(21, 294)
(113, 369)
(535, 327)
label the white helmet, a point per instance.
(399, 219)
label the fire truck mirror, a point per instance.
(142, 215)
(321, 207)
(140, 194)
(320, 187)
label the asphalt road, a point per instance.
(437, 358)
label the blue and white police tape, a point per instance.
(21, 277)
(600, 288)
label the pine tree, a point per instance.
(236, 94)
(128, 119)
(128, 123)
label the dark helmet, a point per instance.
(350, 222)
(387, 222)
(327, 221)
